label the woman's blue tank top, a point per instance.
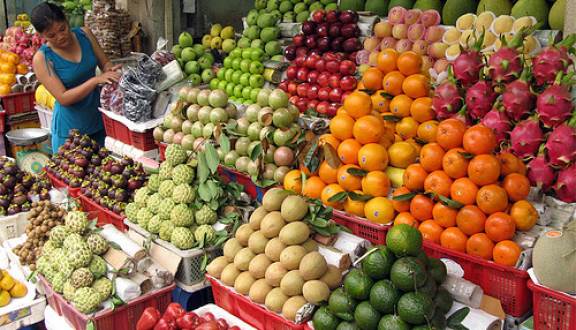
(83, 115)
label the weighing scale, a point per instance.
(26, 140)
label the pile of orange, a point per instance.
(9, 66)
(466, 198)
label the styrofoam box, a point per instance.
(12, 226)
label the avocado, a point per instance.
(456, 8)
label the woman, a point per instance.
(66, 66)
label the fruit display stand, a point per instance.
(252, 189)
(104, 215)
(552, 309)
(59, 184)
(138, 135)
(123, 317)
(17, 103)
(373, 232)
(220, 313)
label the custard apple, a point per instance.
(154, 224)
(79, 257)
(104, 288)
(153, 182)
(81, 277)
(49, 275)
(175, 154)
(183, 174)
(56, 256)
(183, 193)
(141, 195)
(206, 216)
(58, 234)
(182, 238)
(86, 300)
(58, 281)
(98, 245)
(98, 266)
(166, 189)
(131, 211)
(48, 247)
(65, 267)
(153, 203)
(144, 216)
(166, 228)
(182, 216)
(165, 208)
(76, 222)
(205, 232)
(165, 171)
(68, 290)
(72, 241)
(43, 264)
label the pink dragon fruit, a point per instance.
(506, 64)
(446, 101)
(517, 98)
(525, 138)
(561, 146)
(565, 187)
(540, 173)
(498, 122)
(554, 105)
(479, 99)
(467, 67)
(551, 60)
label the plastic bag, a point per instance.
(161, 55)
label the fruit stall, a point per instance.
(352, 164)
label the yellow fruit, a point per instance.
(7, 282)
(4, 298)
(402, 154)
(407, 127)
(354, 207)
(19, 290)
(379, 210)
(396, 176)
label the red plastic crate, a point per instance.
(508, 284)
(2, 121)
(552, 309)
(162, 148)
(375, 233)
(16, 103)
(105, 216)
(118, 131)
(57, 183)
(255, 315)
(231, 175)
(124, 317)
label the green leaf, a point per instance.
(220, 241)
(204, 192)
(457, 318)
(204, 262)
(357, 172)
(450, 202)
(367, 91)
(256, 152)
(90, 325)
(116, 301)
(391, 118)
(386, 95)
(114, 245)
(404, 198)
(339, 197)
(32, 277)
(466, 155)
(203, 170)
(212, 159)
(359, 197)
(224, 143)
(265, 183)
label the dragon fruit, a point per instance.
(565, 187)
(554, 105)
(525, 138)
(446, 101)
(467, 67)
(561, 146)
(517, 98)
(551, 60)
(540, 173)
(479, 99)
(499, 122)
(505, 64)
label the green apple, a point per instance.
(240, 100)
(199, 50)
(228, 62)
(256, 67)
(243, 42)
(236, 77)
(222, 85)
(246, 53)
(207, 75)
(238, 90)
(191, 67)
(245, 79)
(256, 81)
(331, 6)
(315, 6)
(254, 94)
(228, 74)
(230, 88)
(300, 7)
(214, 83)
(246, 92)
(221, 74)
(236, 63)
(228, 45)
(245, 65)
(257, 44)
(177, 51)
(273, 48)
(195, 79)
(257, 55)
(206, 61)
(236, 53)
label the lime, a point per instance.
(358, 284)
(378, 263)
(366, 316)
(384, 296)
(404, 240)
(437, 270)
(408, 273)
(415, 308)
(392, 322)
(342, 304)
(324, 320)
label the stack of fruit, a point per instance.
(18, 188)
(220, 38)
(465, 197)
(195, 59)
(398, 287)
(262, 32)
(10, 288)
(292, 10)
(527, 105)
(274, 261)
(241, 77)
(71, 262)
(43, 216)
(22, 42)
(404, 30)
(176, 318)
(10, 65)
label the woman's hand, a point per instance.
(114, 68)
(108, 77)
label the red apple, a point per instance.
(313, 92)
(291, 72)
(335, 95)
(349, 30)
(298, 40)
(334, 81)
(311, 61)
(351, 45)
(311, 42)
(322, 30)
(318, 16)
(302, 104)
(313, 76)
(348, 16)
(332, 16)
(294, 99)
(301, 51)
(292, 87)
(299, 61)
(308, 28)
(334, 30)
(320, 65)
(324, 79)
(347, 68)
(302, 74)
(348, 83)
(302, 89)
(323, 44)
(312, 104)
(324, 94)
(283, 85)
(322, 107)
(290, 52)
(336, 44)
(333, 109)
(332, 66)
(331, 56)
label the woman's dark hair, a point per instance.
(44, 14)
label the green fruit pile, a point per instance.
(220, 38)
(195, 59)
(262, 32)
(71, 262)
(397, 287)
(292, 11)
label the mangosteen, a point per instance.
(19, 188)
(13, 209)
(25, 207)
(126, 161)
(19, 199)
(116, 168)
(10, 168)
(3, 189)
(81, 161)
(120, 195)
(110, 193)
(10, 182)
(117, 208)
(4, 202)
(103, 152)
(96, 160)
(75, 182)
(134, 183)
(45, 194)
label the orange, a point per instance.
(379, 210)
(484, 169)
(405, 218)
(438, 182)
(348, 181)
(354, 207)
(444, 216)
(293, 181)
(373, 157)
(409, 63)
(7, 67)
(479, 140)
(402, 154)
(414, 177)
(306, 170)
(517, 186)
(455, 164)
(511, 164)
(506, 253)
(431, 157)
(401, 206)
(376, 183)
(358, 104)
(524, 215)
(416, 86)
(379, 102)
(368, 129)
(470, 219)
(348, 151)
(421, 207)
(386, 61)
(7, 78)
(329, 191)
(313, 187)
(500, 226)
(480, 245)
(421, 109)
(341, 126)
(329, 139)
(22, 68)
(392, 83)
(372, 79)
(327, 173)
(454, 239)
(450, 133)
(5, 89)
(407, 128)
(431, 231)
(427, 131)
(491, 199)
(400, 105)
(417, 146)
(463, 191)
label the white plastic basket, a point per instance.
(45, 116)
(220, 313)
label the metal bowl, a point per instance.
(27, 136)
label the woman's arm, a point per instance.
(104, 63)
